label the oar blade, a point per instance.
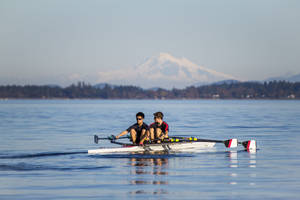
(250, 145)
(232, 143)
(96, 139)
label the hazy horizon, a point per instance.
(63, 41)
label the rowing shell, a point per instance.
(169, 147)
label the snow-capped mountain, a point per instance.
(164, 71)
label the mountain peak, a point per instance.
(166, 56)
(163, 57)
(165, 71)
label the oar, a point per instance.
(112, 137)
(250, 145)
(231, 143)
(123, 144)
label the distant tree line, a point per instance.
(242, 90)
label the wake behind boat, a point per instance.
(173, 144)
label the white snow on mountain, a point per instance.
(163, 71)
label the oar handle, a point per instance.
(123, 144)
(111, 138)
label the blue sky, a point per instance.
(50, 41)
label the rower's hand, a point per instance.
(112, 137)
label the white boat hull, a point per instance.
(169, 147)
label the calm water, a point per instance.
(43, 151)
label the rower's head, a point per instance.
(140, 117)
(158, 117)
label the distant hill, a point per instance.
(226, 82)
(53, 86)
(294, 78)
(243, 90)
(289, 78)
(103, 85)
(154, 89)
(230, 81)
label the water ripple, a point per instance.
(31, 167)
(44, 154)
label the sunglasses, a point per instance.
(139, 118)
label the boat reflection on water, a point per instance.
(235, 163)
(149, 169)
(233, 158)
(153, 174)
(155, 165)
(252, 160)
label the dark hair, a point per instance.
(159, 115)
(140, 114)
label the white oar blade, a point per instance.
(250, 145)
(232, 143)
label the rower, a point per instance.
(138, 131)
(159, 129)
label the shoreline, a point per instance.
(162, 99)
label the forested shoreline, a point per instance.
(81, 90)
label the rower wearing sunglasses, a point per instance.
(138, 131)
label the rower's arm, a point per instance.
(121, 134)
(145, 134)
(166, 134)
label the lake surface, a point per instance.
(44, 143)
